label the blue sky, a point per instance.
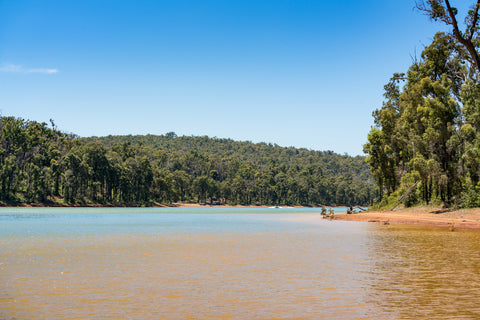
(303, 73)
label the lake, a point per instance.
(230, 263)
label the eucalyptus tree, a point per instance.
(415, 137)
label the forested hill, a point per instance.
(247, 173)
(261, 155)
(43, 165)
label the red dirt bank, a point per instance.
(461, 218)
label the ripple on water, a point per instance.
(278, 268)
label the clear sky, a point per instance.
(303, 73)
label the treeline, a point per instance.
(39, 164)
(425, 146)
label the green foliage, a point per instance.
(39, 164)
(428, 130)
(470, 194)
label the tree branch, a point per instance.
(466, 42)
(454, 23)
(474, 21)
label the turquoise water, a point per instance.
(230, 263)
(38, 221)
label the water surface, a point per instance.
(230, 263)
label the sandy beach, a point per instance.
(425, 216)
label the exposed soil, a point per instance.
(426, 216)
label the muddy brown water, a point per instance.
(230, 264)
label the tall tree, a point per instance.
(416, 135)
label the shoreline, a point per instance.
(157, 205)
(422, 216)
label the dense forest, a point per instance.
(40, 164)
(425, 145)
